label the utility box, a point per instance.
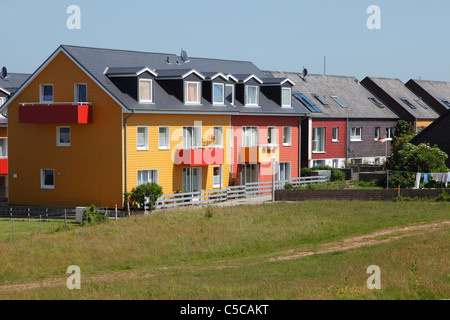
(79, 214)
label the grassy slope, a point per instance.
(188, 239)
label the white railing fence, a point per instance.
(232, 192)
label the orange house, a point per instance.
(91, 124)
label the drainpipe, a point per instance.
(125, 151)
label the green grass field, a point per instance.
(234, 253)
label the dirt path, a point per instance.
(386, 235)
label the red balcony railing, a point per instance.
(55, 113)
(199, 157)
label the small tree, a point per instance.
(138, 195)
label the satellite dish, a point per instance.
(4, 73)
(184, 56)
(305, 72)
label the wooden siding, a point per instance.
(169, 174)
(89, 171)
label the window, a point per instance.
(218, 137)
(47, 179)
(335, 134)
(63, 136)
(376, 102)
(147, 176)
(272, 136)
(356, 134)
(231, 137)
(217, 177)
(307, 103)
(421, 103)
(321, 100)
(319, 163)
(218, 93)
(357, 161)
(2, 101)
(229, 93)
(286, 136)
(164, 140)
(145, 91)
(335, 163)
(339, 101)
(390, 133)
(46, 93)
(318, 139)
(284, 171)
(286, 97)
(80, 92)
(377, 133)
(142, 138)
(192, 178)
(249, 173)
(3, 148)
(251, 95)
(192, 137)
(192, 92)
(409, 104)
(250, 136)
(446, 102)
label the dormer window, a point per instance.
(145, 91)
(251, 95)
(192, 92)
(229, 93)
(286, 97)
(218, 93)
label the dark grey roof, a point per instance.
(346, 88)
(177, 73)
(397, 90)
(13, 81)
(123, 70)
(96, 60)
(440, 90)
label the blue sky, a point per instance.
(280, 35)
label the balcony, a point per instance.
(71, 112)
(260, 154)
(4, 166)
(199, 157)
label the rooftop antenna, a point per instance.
(168, 60)
(4, 73)
(324, 65)
(304, 73)
(184, 56)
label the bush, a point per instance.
(305, 172)
(443, 197)
(337, 175)
(138, 195)
(92, 216)
(405, 180)
(289, 186)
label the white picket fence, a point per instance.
(232, 192)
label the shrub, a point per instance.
(92, 216)
(289, 186)
(138, 195)
(405, 180)
(305, 172)
(337, 175)
(444, 196)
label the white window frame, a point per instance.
(353, 136)
(333, 138)
(232, 93)
(151, 91)
(377, 133)
(167, 133)
(287, 168)
(273, 136)
(287, 143)
(220, 144)
(5, 148)
(197, 136)
(2, 101)
(145, 147)
(290, 99)
(322, 162)
(315, 148)
(43, 185)
(256, 97)
(77, 92)
(390, 132)
(58, 136)
(220, 184)
(231, 137)
(41, 92)
(186, 85)
(154, 173)
(222, 102)
(251, 144)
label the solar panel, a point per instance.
(307, 103)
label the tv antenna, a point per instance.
(4, 73)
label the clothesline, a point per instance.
(442, 177)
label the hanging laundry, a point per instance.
(425, 177)
(417, 184)
(434, 176)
